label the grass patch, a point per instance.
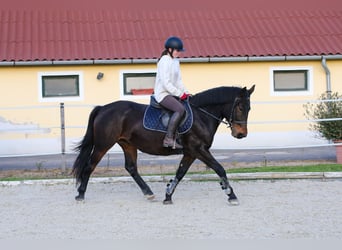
(18, 178)
(308, 168)
(57, 174)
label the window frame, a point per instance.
(43, 98)
(122, 81)
(292, 92)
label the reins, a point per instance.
(228, 123)
(213, 116)
(231, 117)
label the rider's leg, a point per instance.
(174, 105)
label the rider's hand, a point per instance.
(184, 96)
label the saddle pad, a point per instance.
(156, 119)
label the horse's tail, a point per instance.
(85, 148)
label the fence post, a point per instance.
(63, 165)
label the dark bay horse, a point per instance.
(122, 122)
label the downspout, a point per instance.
(327, 74)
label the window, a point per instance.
(138, 83)
(55, 86)
(287, 80)
(291, 81)
(60, 86)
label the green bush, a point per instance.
(331, 130)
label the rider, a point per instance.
(169, 87)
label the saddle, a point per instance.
(156, 117)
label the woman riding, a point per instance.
(169, 87)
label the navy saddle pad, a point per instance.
(157, 118)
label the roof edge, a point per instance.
(183, 60)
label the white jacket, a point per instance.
(168, 79)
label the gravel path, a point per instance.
(283, 209)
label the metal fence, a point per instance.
(63, 126)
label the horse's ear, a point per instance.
(242, 92)
(251, 90)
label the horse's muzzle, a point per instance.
(240, 135)
(239, 131)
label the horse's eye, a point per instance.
(240, 106)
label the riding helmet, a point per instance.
(174, 42)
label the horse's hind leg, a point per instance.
(95, 158)
(131, 167)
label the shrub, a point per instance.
(331, 130)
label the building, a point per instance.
(89, 53)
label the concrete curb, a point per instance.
(192, 177)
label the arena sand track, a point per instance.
(282, 209)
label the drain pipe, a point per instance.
(327, 73)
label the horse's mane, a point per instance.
(215, 96)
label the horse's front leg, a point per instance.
(181, 171)
(232, 199)
(211, 162)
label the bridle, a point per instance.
(230, 120)
(231, 117)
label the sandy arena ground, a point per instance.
(282, 209)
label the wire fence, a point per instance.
(63, 126)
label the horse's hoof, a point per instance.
(150, 197)
(233, 202)
(167, 202)
(79, 198)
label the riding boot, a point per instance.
(169, 140)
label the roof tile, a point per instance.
(28, 35)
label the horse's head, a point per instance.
(239, 113)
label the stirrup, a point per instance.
(171, 143)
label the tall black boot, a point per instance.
(169, 140)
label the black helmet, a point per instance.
(174, 42)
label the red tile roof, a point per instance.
(94, 34)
